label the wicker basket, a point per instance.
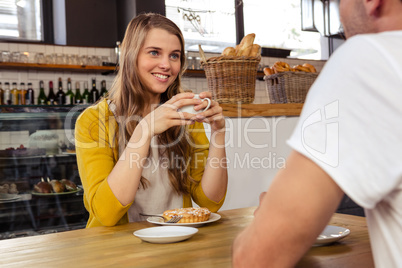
(231, 79)
(289, 87)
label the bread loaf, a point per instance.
(310, 67)
(43, 187)
(245, 51)
(245, 48)
(69, 185)
(255, 51)
(57, 186)
(229, 51)
(237, 49)
(300, 68)
(247, 41)
(281, 66)
(268, 71)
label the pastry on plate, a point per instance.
(190, 215)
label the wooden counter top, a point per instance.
(210, 247)
(250, 110)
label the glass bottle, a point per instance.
(78, 97)
(85, 95)
(30, 96)
(42, 100)
(51, 98)
(1, 94)
(21, 94)
(60, 95)
(117, 52)
(94, 94)
(103, 91)
(14, 94)
(7, 94)
(70, 98)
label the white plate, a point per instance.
(212, 218)
(8, 197)
(331, 234)
(62, 193)
(68, 153)
(165, 234)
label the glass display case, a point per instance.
(37, 148)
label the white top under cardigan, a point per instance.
(159, 194)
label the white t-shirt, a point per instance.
(351, 126)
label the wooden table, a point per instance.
(210, 247)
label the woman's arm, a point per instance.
(96, 156)
(111, 184)
(215, 178)
(125, 177)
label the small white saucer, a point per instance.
(9, 197)
(331, 234)
(165, 234)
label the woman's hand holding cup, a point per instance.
(191, 108)
(184, 109)
(168, 114)
(213, 115)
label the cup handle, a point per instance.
(208, 105)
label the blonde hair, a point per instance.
(129, 95)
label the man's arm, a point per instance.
(296, 208)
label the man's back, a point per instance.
(359, 96)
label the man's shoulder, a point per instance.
(374, 38)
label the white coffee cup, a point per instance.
(190, 108)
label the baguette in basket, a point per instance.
(231, 76)
(245, 48)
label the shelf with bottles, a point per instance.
(53, 67)
(84, 68)
(18, 95)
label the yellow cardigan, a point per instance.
(97, 153)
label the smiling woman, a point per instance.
(159, 61)
(136, 152)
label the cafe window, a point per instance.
(21, 20)
(277, 24)
(212, 24)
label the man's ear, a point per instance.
(373, 7)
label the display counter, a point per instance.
(24, 211)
